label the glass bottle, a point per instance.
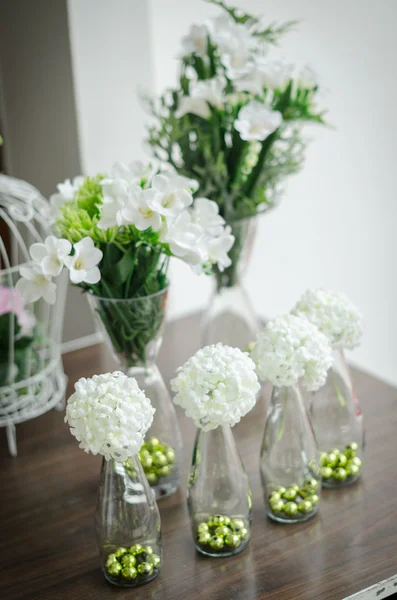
(289, 461)
(127, 524)
(134, 330)
(219, 495)
(230, 317)
(338, 425)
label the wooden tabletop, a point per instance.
(48, 493)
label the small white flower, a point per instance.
(83, 264)
(265, 73)
(290, 348)
(51, 255)
(138, 210)
(169, 196)
(109, 414)
(238, 62)
(218, 248)
(206, 213)
(66, 193)
(216, 386)
(335, 316)
(115, 198)
(135, 172)
(34, 285)
(196, 41)
(185, 239)
(203, 94)
(256, 121)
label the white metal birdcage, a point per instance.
(32, 380)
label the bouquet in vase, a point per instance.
(234, 121)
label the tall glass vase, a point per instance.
(338, 424)
(230, 317)
(127, 524)
(134, 330)
(219, 495)
(289, 462)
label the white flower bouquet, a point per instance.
(115, 236)
(234, 121)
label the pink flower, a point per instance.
(12, 301)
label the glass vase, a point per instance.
(230, 317)
(219, 495)
(289, 461)
(134, 330)
(338, 424)
(127, 524)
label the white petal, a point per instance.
(38, 252)
(92, 275)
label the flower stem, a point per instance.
(281, 430)
(338, 392)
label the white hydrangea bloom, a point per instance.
(291, 348)
(109, 414)
(334, 314)
(216, 386)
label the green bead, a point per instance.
(326, 472)
(216, 542)
(353, 446)
(276, 505)
(356, 461)
(153, 442)
(202, 528)
(148, 550)
(146, 462)
(342, 460)
(295, 487)
(159, 459)
(218, 520)
(244, 533)
(332, 459)
(129, 572)
(352, 470)
(232, 540)
(159, 448)
(305, 506)
(324, 459)
(274, 497)
(204, 538)
(226, 521)
(155, 560)
(163, 471)
(310, 483)
(152, 478)
(120, 551)
(222, 530)
(339, 474)
(237, 525)
(136, 549)
(351, 450)
(289, 494)
(280, 489)
(112, 558)
(170, 456)
(114, 569)
(128, 560)
(314, 499)
(290, 509)
(335, 451)
(144, 451)
(145, 568)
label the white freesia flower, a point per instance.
(216, 386)
(109, 414)
(185, 239)
(169, 196)
(135, 172)
(139, 212)
(218, 249)
(116, 195)
(206, 213)
(202, 95)
(51, 255)
(265, 73)
(335, 316)
(66, 193)
(83, 264)
(238, 62)
(256, 121)
(195, 42)
(290, 348)
(34, 285)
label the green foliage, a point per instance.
(21, 354)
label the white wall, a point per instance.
(336, 225)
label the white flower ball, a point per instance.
(334, 315)
(110, 415)
(216, 386)
(291, 348)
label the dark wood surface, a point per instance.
(47, 542)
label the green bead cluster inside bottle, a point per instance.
(221, 534)
(294, 502)
(157, 460)
(135, 565)
(339, 467)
